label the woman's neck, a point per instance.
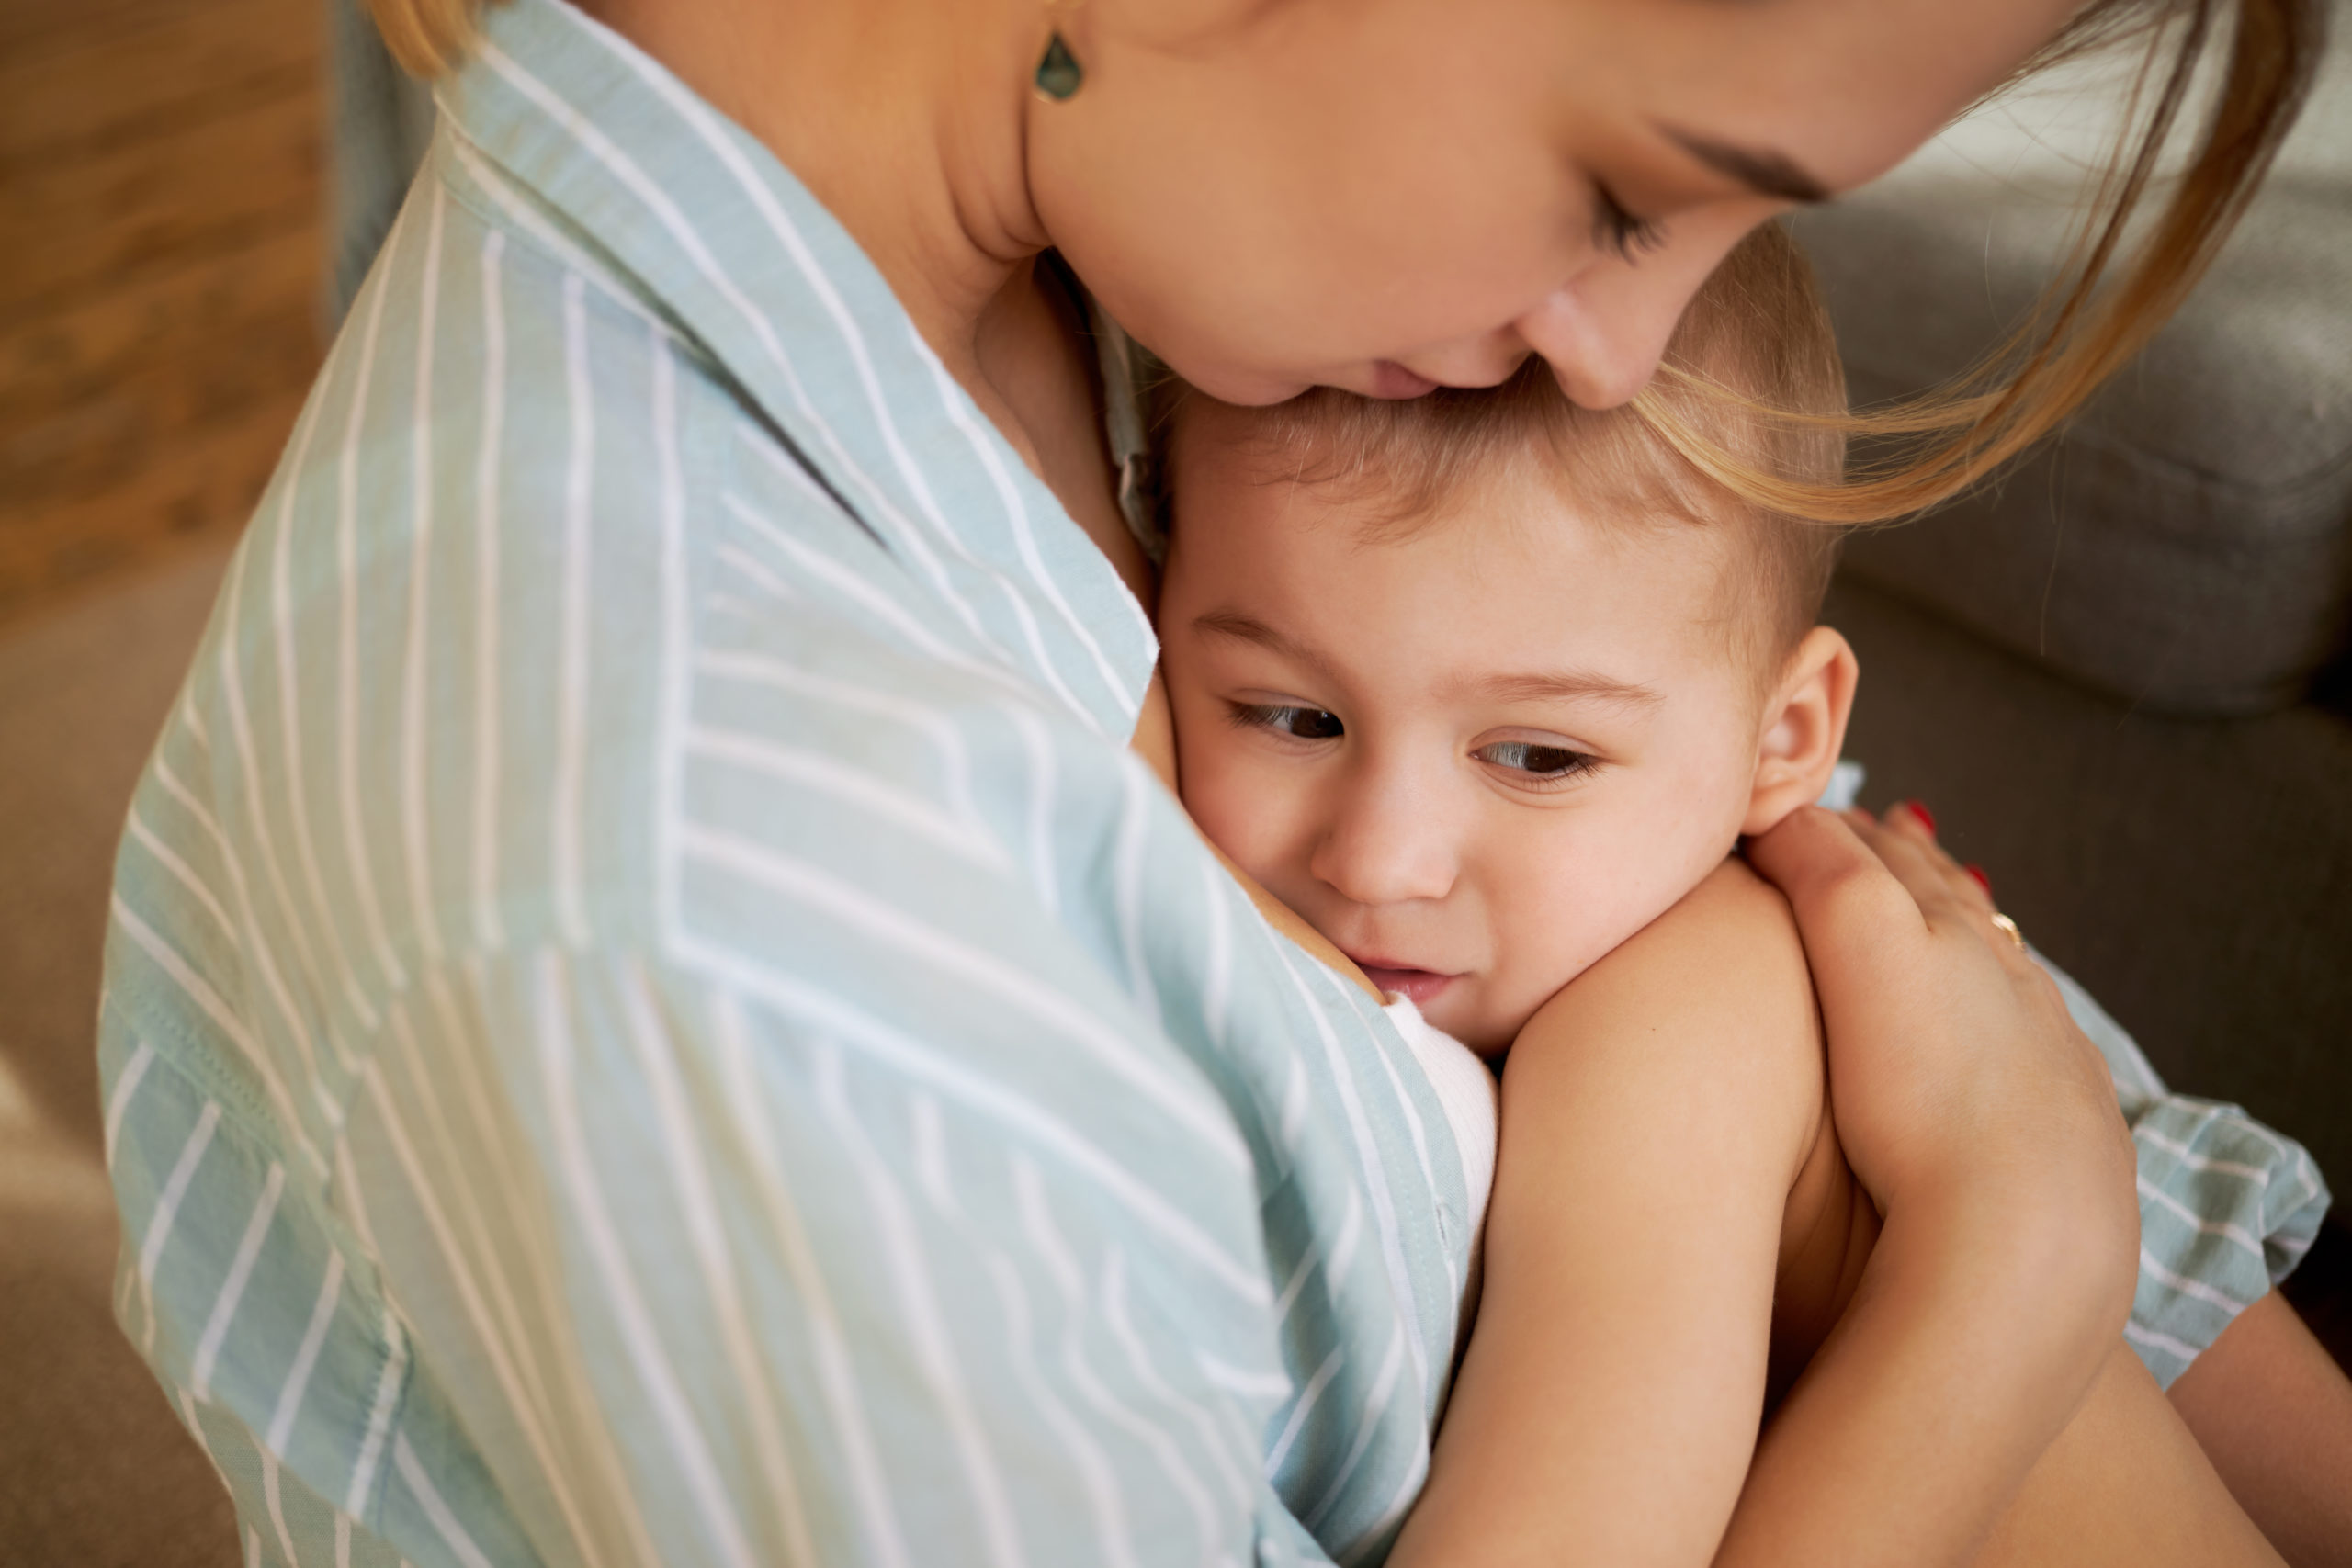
(905, 118)
(908, 119)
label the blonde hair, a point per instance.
(429, 37)
(1755, 336)
(2109, 297)
(2104, 305)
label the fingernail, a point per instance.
(1982, 880)
(1927, 818)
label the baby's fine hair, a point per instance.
(1756, 331)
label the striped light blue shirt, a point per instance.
(650, 1016)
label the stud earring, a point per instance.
(1059, 76)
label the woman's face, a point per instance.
(1384, 195)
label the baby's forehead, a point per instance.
(1504, 556)
(1524, 523)
(1501, 557)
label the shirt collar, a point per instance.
(726, 243)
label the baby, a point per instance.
(1482, 685)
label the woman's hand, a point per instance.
(1953, 1065)
(1986, 1129)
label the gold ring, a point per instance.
(2003, 923)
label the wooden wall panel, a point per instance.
(144, 75)
(161, 254)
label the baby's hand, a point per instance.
(1956, 1074)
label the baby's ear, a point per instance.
(1804, 728)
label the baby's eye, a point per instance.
(1549, 764)
(1308, 724)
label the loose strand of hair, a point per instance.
(428, 37)
(2088, 325)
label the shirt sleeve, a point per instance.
(2227, 1206)
(684, 1268)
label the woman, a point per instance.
(650, 1015)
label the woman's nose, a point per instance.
(1606, 329)
(1603, 342)
(1487, 360)
(1387, 844)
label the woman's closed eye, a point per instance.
(1306, 723)
(1536, 764)
(1618, 232)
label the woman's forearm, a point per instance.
(1978, 1328)
(1984, 1126)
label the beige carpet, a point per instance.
(94, 1469)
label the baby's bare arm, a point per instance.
(2275, 1414)
(1655, 1117)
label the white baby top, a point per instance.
(1466, 1090)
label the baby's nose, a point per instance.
(1386, 848)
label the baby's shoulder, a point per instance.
(1731, 935)
(1713, 993)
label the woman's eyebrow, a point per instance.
(1763, 170)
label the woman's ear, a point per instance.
(1804, 728)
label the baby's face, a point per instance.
(1478, 758)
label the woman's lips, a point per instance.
(1420, 985)
(1390, 379)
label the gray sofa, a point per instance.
(2119, 676)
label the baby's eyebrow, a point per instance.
(1572, 685)
(1550, 685)
(1249, 628)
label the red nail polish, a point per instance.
(1926, 817)
(1982, 880)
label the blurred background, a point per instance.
(2119, 677)
(161, 247)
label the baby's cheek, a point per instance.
(1567, 920)
(1238, 807)
(1492, 1020)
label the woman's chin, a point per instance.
(1396, 384)
(1245, 389)
(1251, 389)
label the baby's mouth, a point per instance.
(1421, 985)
